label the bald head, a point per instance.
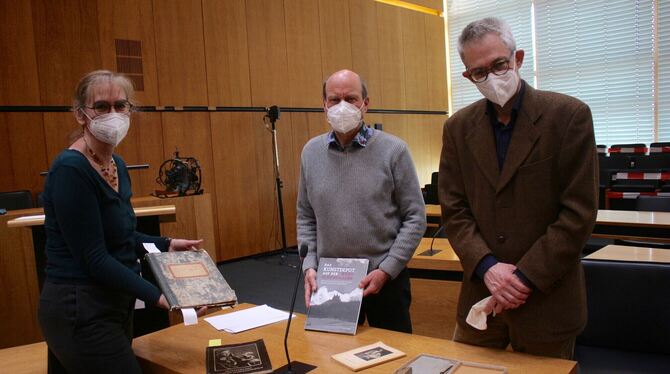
(345, 78)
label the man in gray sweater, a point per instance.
(359, 197)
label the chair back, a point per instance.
(14, 200)
(653, 203)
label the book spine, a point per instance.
(163, 284)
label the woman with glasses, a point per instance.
(92, 248)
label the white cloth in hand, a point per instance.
(477, 315)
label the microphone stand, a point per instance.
(273, 115)
(294, 367)
(431, 252)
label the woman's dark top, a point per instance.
(90, 229)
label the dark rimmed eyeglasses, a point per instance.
(104, 107)
(498, 67)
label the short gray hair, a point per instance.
(478, 29)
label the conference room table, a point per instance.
(616, 224)
(181, 349)
(630, 254)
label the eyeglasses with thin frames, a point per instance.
(104, 107)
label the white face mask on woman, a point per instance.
(500, 88)
(344, 117)
(109, 128)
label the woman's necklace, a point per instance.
(109, 173)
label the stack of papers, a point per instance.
(247, 319)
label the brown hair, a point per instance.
(98, 76)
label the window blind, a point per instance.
(601, 51)
(461, 12)
(663, 24)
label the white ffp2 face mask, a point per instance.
(344, 117)
(109, 128)
(500, 88)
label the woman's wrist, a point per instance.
(168, 243)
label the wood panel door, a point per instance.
(268, 68)
(227, 51)
(180, 52)
(18, 70)
(66, 45)
(303, 48)
(133, 21)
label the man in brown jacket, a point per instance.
(518, 188)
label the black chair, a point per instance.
(14, 200)
(627, 329)
(649, 204)
(659, 147)
(653, 203)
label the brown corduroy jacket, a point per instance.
(536, 213)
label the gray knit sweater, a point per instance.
(360, 202)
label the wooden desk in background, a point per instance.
(433, 210)
(631, 254)
(181, 349)
(633, 225)
(436, 285)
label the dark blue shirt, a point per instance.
(503, 136)
(501, 131)
(90, 229)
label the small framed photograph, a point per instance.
(367, 356)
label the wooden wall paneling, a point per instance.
(391, 57)
(18, 70)
(66, 45)
(180, 52)
(303, 51)
(6, 168)
(242, 157)
(432, 4)
(227, 53)
(18, 276)
(365, 46)
(130, 20)
(335, 36)
(266, 38)
(58, 130)
(396, 124)
(27, 150)
(190, 133)
(290, 147)
(425, 141)
(436, 61)
(144, 145)
(433, 308)
(414, 56)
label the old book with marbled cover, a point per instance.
(190, 279)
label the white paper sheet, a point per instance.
(28, 218)
(190, 316)
(151, 248)
(247, 319)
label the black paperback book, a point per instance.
(250, 357)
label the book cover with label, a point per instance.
(190, 279)
(251, 357)
(335, 305)
(367, 356)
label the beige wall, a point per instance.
(219, 53)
